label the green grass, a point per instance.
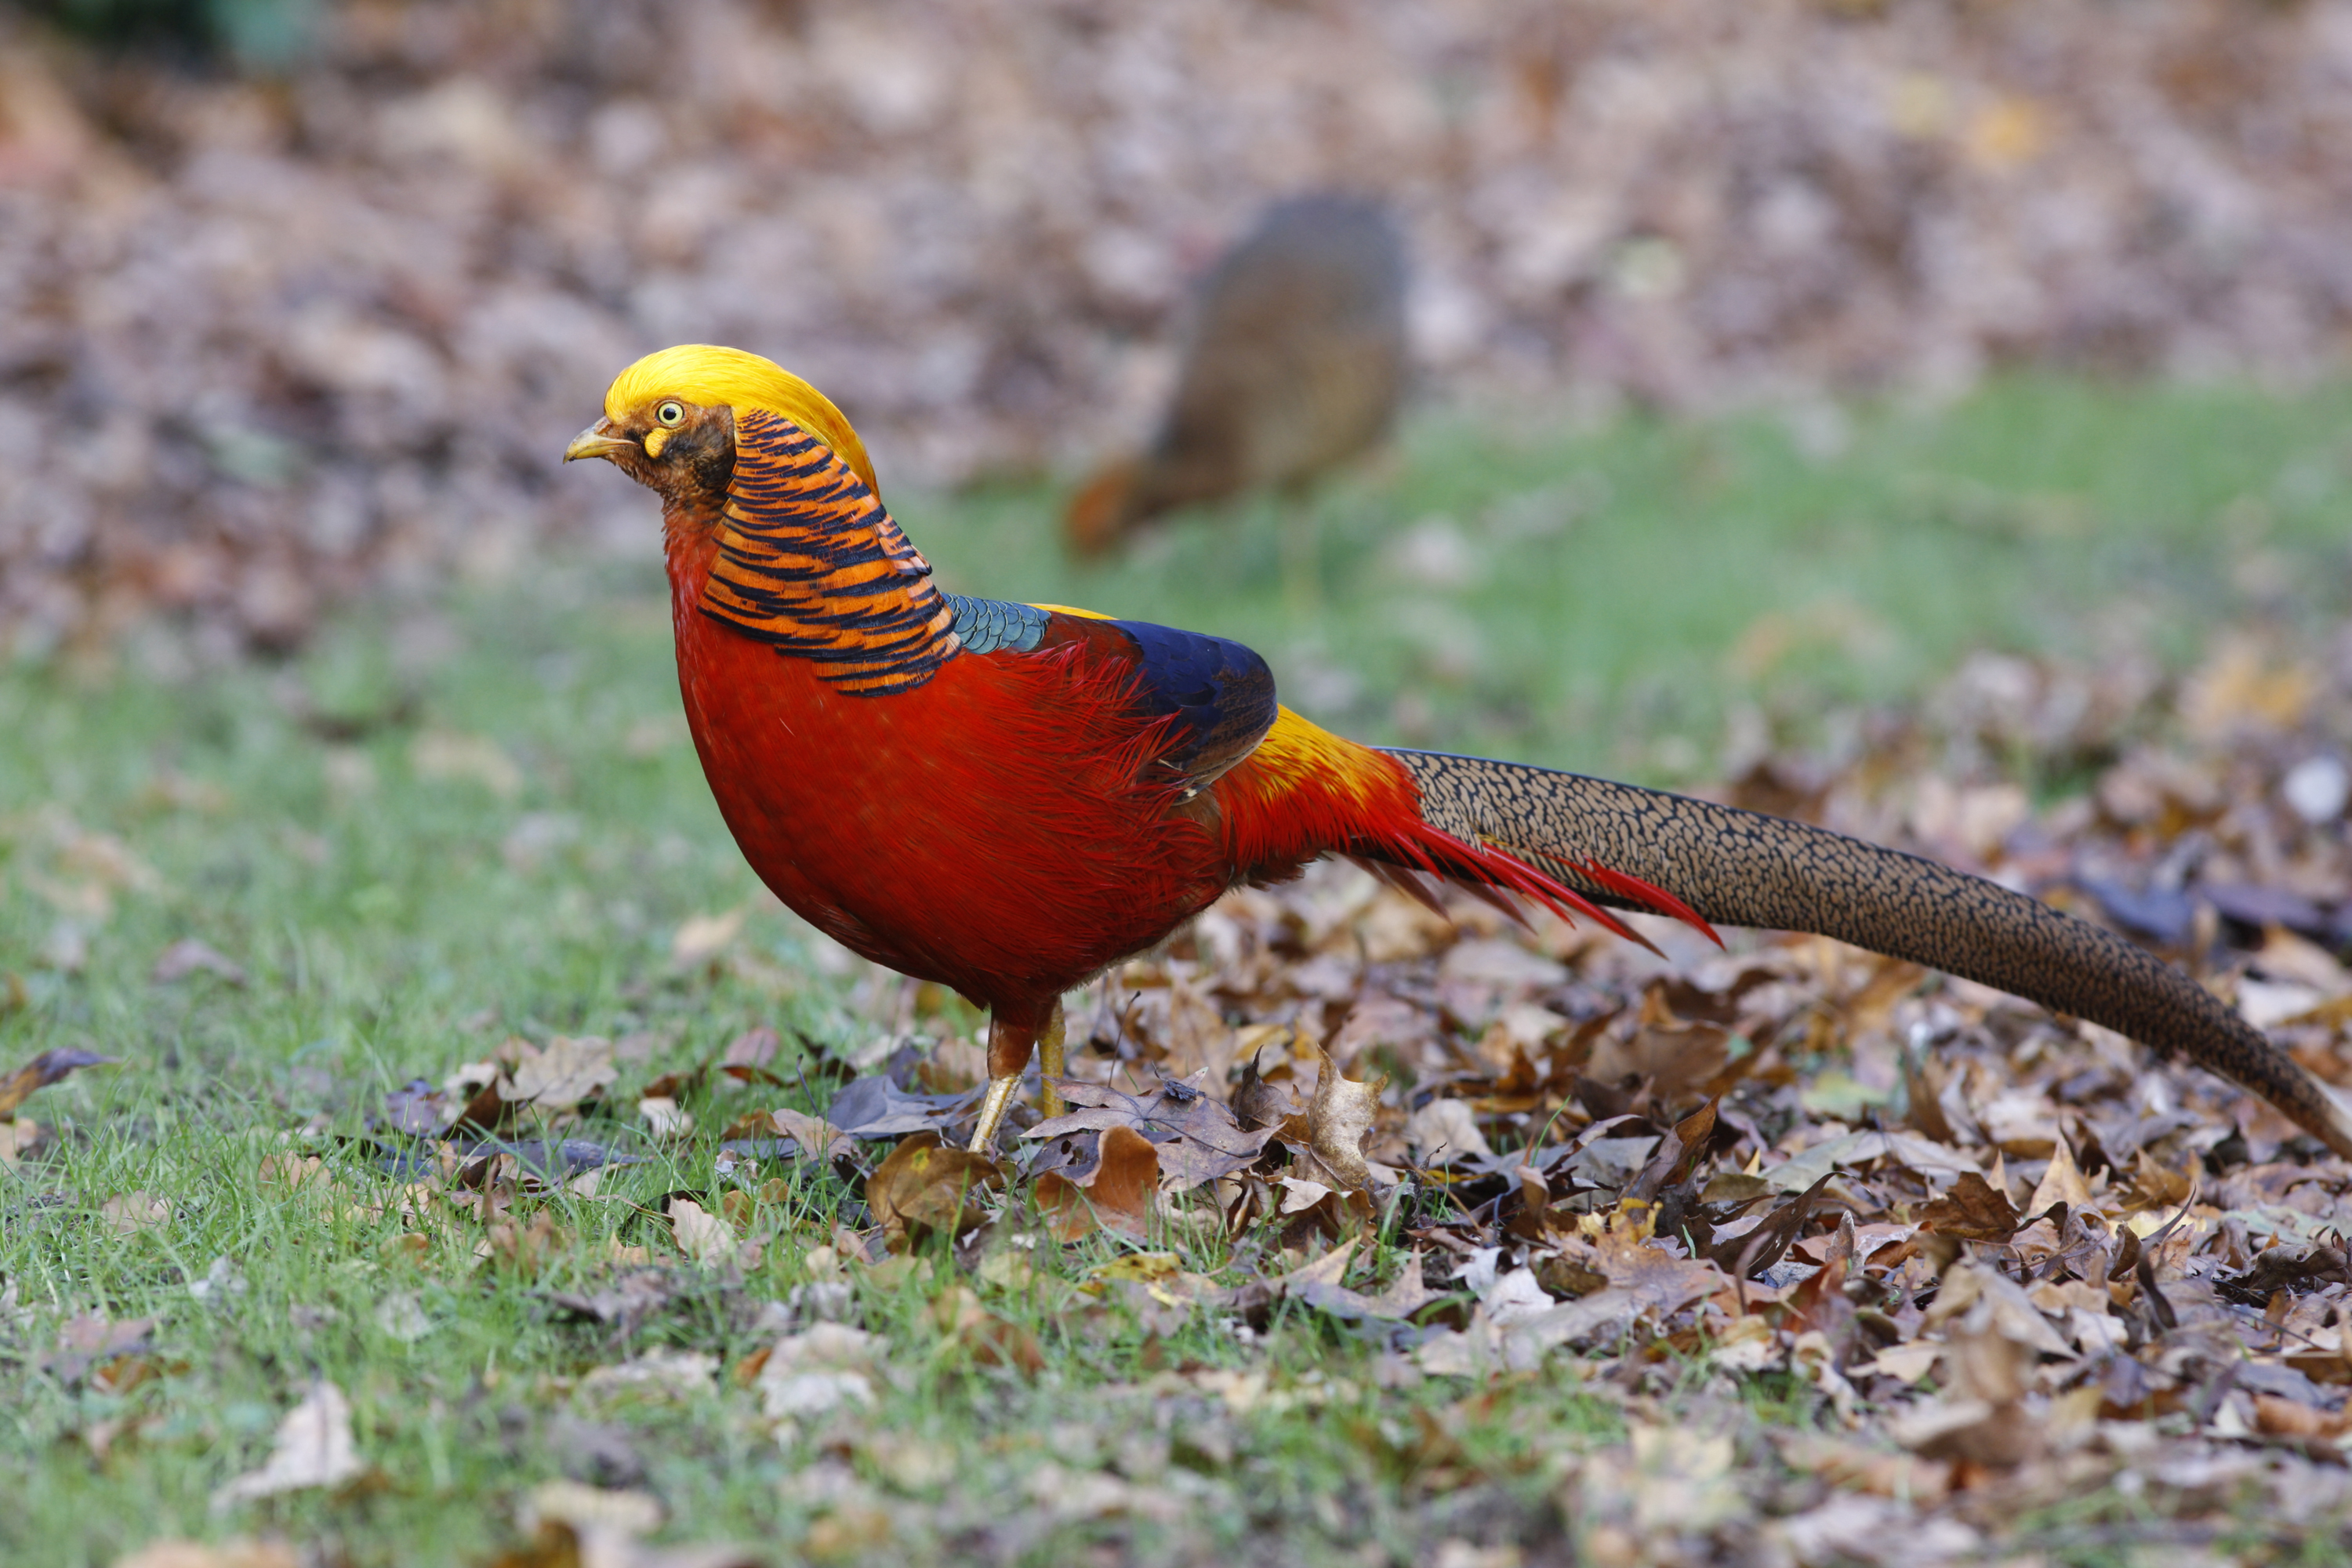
(394, 924)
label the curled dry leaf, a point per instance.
(314, 1449)
(2063, 1183)
(1338, 1118)
(1115, 1195)
(1973, 1211)
(708, 1239)
(924, 1187)
(818, 1139)
(1258, 1103)
(1677, 1152)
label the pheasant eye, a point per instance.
(671, 413)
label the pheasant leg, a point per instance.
(1051, 1065)
(1009, 1047)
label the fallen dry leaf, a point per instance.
(18, 1138)
(751, 1048)
(1318, 1284)
(239, 1552)
(567, 1073)
(818, 1370)
(708, 1239)
(419, 1109)
(577, 1526)
(1114, 1194)
(989, 1339)
(661, 1373)
(924, 1187)
(92, 1341)
(313, 1449)
(1338, 1118)
(818, 1139)
(522, 1248)
(130, 1213)
(1971, 1210)
(705, 938)
(626, 1302)
(1198, 1138)
(441, 755)
(187, 956)
(1445, 1132)
(2061, 1182)
(874, 1106)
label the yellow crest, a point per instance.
(708, 375)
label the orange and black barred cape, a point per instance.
(812, 564)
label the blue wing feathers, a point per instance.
(1221, 692)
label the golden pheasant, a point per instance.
(1008, 798)
(1293, 363)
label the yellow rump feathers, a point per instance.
(1296, 753)
(708, 375)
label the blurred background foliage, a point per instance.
(1762, 355)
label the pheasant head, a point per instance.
(670, 420)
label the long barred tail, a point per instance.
(1742, 868)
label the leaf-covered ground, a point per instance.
(485, 1171)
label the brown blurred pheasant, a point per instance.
(1295, 364)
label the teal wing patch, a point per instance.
(983, 626)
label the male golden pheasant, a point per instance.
(1008, 798)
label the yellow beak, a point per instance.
(598, 441)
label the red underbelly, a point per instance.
(982, 831)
